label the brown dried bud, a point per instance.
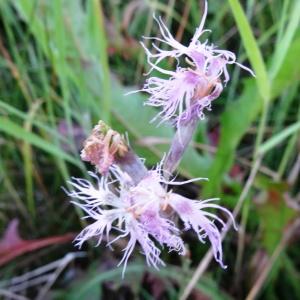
(103, 146)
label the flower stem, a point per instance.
(181, 140)
(132, 165)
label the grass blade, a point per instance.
(12, 129)
(283, 46)
(278, 138)
(252, 49)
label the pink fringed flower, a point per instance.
(195, 216)
(132, 211)
(188, 90)
(139, 213)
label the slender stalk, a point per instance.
(132, 165)
(179, 144)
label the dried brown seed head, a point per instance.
(102, 147)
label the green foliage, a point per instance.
(274, 214)
(90, 288)
(252, 50)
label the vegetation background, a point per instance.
(66, 64)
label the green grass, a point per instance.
(62, 62)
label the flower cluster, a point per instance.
(131, 202)
(141, 213)
(188, 90)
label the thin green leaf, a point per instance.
(252, 49)
(284, 44)
(278, 138)
(14, 130)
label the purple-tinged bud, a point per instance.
(102, 147)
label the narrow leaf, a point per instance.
(252, 49)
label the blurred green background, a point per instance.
(65, 64)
